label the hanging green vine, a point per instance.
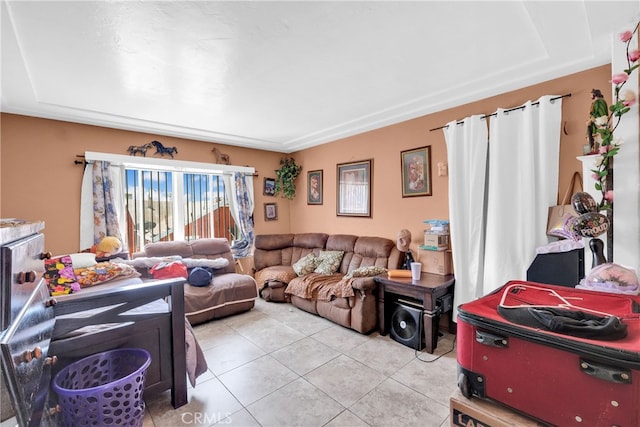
(285, 177)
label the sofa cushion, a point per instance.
(307, 264)
(202, 303)
(283, 273)
(346, 303)
(267, 258)
(376, 251)
(345, 243)
(329, 262)
(269, 242)
(341, 242)
(310, 240)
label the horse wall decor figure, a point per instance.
(162, 150)
(221, 158)
(142, 149)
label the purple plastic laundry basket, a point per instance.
(104, 389)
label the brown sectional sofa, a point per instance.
(275, 255)
(228, 293)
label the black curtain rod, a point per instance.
(80, 162)
(506, 111)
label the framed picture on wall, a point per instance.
(416, 172)
(314, 187)
(270, 211)
(269, 188)
(354, 188)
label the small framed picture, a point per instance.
(269, 187)
(314, 187)
(270, 211)
(354, 188)
(416, 172)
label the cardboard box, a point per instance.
(477, 412)
(437, 262)
(436, 242)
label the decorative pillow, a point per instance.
(103, 272)
(305, 265)
(329, 262)
(84, 259)
(200, 276)
(366, 272)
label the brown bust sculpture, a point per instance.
(403, 244)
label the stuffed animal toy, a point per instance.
(107, 247)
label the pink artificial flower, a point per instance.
(628, 98)
(595, 177)
(618, 78)
(634, 55)
(626, 36)
(608, 195)
(604, 148)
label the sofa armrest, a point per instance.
(364, 284)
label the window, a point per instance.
(160, 199)
(166, 205)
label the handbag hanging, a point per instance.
(561, 213)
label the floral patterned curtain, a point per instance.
(240, 191)
(101, 204)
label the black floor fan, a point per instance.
(407, 325)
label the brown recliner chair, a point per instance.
(228, 293)
(274, 256)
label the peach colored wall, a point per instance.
(392, 212)
(40, 182)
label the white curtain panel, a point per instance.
(467, 158)
(522, 184)
(86, 209)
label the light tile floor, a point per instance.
(277, 365)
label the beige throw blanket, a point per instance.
(320, 287)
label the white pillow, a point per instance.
(83, 260)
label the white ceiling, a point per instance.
(284, 76)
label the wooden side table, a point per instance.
(430, 289)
